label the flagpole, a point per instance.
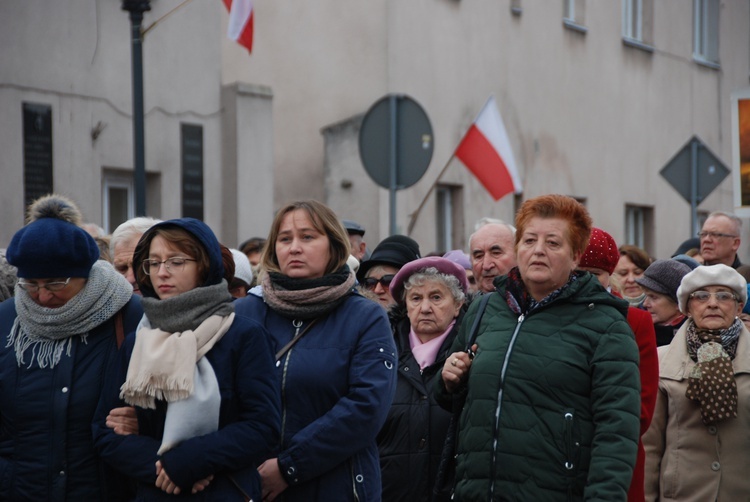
(415, 214)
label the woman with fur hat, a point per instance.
(59, 334)
(698, 446)
(201, 378)
(376, 274)
(600, 259)
(660, 282)
(430, 293)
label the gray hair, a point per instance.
(733, 217)
(134, 227)
(432, 274)
(483, 222)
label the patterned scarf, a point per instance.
(520, 300)
(48, 332)
(306, 298)
(711, 382)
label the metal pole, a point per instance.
(393, 162)
(136, 9)
(694, 186)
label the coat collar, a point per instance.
(675, 363)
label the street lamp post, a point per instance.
(136, 9)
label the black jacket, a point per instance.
(411, 441)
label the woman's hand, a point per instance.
(201, 485)
(166, 484)
(163, 482)
(456, 369)
(272, 481)
(123, 421)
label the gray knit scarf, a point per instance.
(306, 298)
(188, 310)
(49, 332)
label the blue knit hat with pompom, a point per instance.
(52, 244)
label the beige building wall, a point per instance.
(75, 56)
(587, 115)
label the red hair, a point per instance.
(557, 206)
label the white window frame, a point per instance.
(632, 19)
(573, 15)
(638, 226)
(706, 32)
(117, 182)
(444, 218)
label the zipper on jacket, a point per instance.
(354, 482)
(297, 325)
(568, 440)
(496, 431)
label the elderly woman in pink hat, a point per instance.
(430, 293)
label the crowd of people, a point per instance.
(543, 362)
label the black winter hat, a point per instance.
(396, 251)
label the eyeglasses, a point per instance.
(385, 281)
(33, 287)
(721, 296)
(175, 264)
(714, 235)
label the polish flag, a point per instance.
(485, 150)
(240, 22)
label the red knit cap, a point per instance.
(601, 252)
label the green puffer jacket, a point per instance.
(553, 400)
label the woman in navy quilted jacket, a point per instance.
(335, 361)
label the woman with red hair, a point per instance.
(552, 398)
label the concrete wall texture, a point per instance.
(588, 115)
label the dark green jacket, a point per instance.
(553, 402)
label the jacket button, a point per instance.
(406, 368)
(64, 390)
(712, 430)
(591, 306)
(715, 466)
(422, 442)
(62, 473)
(291, 471)
(359, 478)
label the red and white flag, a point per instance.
(241, 22)
(485, 150)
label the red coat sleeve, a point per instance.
(643, 328)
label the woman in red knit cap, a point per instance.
(600, 258)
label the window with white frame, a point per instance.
(638, 226)
(118, 199)
(637, 22)
(706, 31)
(449, 217)
(573, 15)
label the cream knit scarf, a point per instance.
(170, 366)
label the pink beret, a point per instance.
(443, 265)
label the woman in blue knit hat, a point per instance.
(59, 334)
(201, 378)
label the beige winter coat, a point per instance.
(685, 459)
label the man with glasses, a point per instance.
(720, 239)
